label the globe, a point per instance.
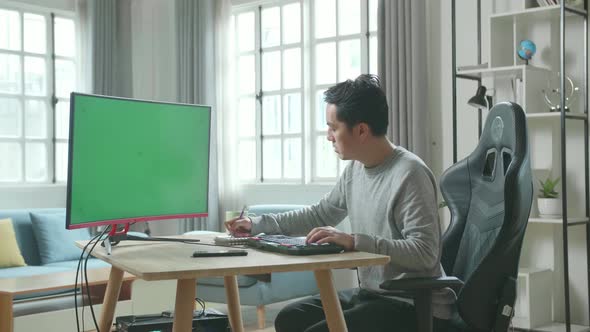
(526, 49)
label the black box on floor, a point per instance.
(210, 321)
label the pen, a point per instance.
(242, 213)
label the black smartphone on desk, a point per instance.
(219, 253)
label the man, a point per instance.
(389, 195)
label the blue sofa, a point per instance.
(261, 290)
(28, 244)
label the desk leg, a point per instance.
(6, 314)
(110, 299)
(330, 301)
(183, 308)
(233, 303)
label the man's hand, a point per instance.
(239, 227)
(331, 235)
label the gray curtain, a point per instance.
(109, 46)
(195, 29)
(403, 72)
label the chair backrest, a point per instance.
(489, 194)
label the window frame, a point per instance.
(309, 132)
(50, 99)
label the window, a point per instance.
(283, 67)
(37, 74)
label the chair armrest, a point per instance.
(409, 284)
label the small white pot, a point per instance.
(549, 207)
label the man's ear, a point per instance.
(364, 131)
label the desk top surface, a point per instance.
(170, 260)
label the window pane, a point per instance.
(10, 117)
(271, 158)
(11, 162)
(35, 119)
(34, 33)
(373, 15)
(10, 30)
(349, 17)
(247, 74)
(270, 27)
(291, 23)
(271, 115)
(65, 36)
(35, 76)
(247, 159)
(62, 120)
(292, 67)
(350, 59)
(10, 73)
(65, 78)
(245, 32)
(247, 117)
(320, 111)
(36, 162)
(271, 71)
(325, 68)
(325, 158)
(373, 55)
(292, 113)
(292, 158)
(61, 162)
(325, 18)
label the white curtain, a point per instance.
(195, 34)
(403, 72)
(229, 187)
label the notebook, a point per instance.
(229, 240)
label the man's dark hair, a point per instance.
(361, 100)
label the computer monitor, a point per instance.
(136, 160)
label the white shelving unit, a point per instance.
(545, 261)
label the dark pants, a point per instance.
(362, 310)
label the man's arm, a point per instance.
(329, 211)
(413, 212)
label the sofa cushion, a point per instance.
(93, 263)
(55, 242)
(21, 221)
(10, 254)
(30, 271)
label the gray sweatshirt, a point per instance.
(392, 210)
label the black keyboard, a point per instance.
(291, 245)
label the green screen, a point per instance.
(133, 158)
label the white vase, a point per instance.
(549, 207)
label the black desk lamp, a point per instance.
(480, 101)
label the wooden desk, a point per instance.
(165, 261)
(11, 287)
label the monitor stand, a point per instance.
(115, 237)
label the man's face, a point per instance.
(343, 139)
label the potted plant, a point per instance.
(548, 200)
